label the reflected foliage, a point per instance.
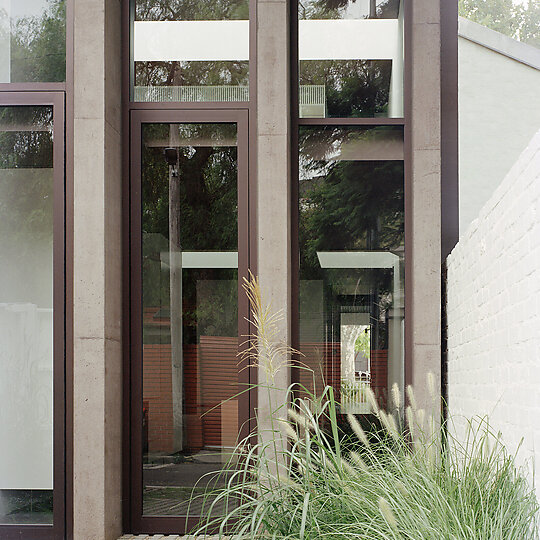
(26, 208)
(226, 73)
(347, 205)
(26, 204)
(344, 9)
(191, 10)
(192, 73)
(518, 20)
(38, 45)
(207, 219)
(354, 88)
(26, 506)
(207, 180)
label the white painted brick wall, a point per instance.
(494, 312)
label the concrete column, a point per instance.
(426, 196)
(97, 353)
(273, 177)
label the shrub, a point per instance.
(407, 478)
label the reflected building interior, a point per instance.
(190, 311)
(351, 239)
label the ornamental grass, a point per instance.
(318, 474)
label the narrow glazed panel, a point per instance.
(351, 239)
(350, 58)
(190, 312)
(191, 51)
(32, 41)
(26, 315)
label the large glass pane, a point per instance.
(191, 51)
(190, 310)
(26, 315)
(351, 58)
(32, 41)
(351, 238)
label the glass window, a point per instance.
(351, 58)
(26, 315)
(190, 311)
(191, 51)
(351, 239)
(32, 41)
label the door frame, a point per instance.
(133, 374)
(57, 530)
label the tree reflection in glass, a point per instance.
(190, 311)
(351, 238)
(185, 74)
(351, 55)
(33, 41)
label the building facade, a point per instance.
(153, 154)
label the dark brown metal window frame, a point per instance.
(57, 530)
(171, 524)
(297, 122)
(133, 520)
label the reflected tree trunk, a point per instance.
(175, 254)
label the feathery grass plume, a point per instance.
(402, 489)
(388, 422)
(288, 429)
(348, 468)
(387, 513)
(409, 416)
(420, 418)
(372, 401)
(358, 461)
(391, 489)
(412, 398)
(264, 349)
(298, 418)
(396, 396)
(393, 425)
(357, 429)
(431, 386)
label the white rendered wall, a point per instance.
(494, 311)
(499, 112)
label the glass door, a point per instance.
(189, 251)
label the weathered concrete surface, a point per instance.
(273, 180)
(425, 295)
(97, 355)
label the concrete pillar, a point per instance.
(426, 196)
(273, 177)
(97, 354)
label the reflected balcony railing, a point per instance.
(312, 97)
(354, 398)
